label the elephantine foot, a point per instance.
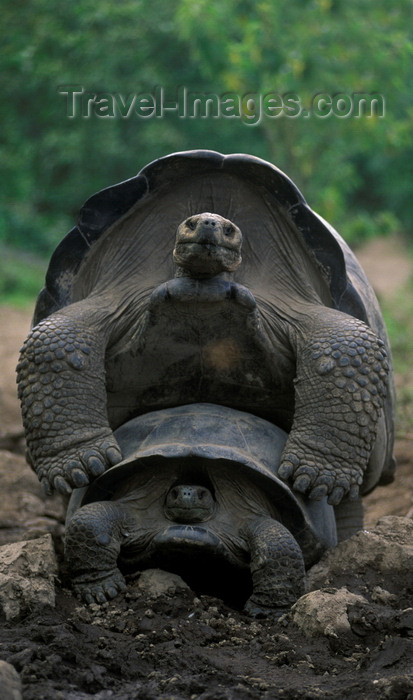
(78, 465)
(101, 590)
(312, 473)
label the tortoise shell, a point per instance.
(184, 437)
(202, 180)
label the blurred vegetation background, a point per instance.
(356, 172)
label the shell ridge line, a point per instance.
(84, 238)
(244, 440)
(148, 437)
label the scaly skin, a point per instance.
(277, 568)
(92, 544)
(63, 399)
(97, 531)
(339, 392)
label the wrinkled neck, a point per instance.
(224, 275)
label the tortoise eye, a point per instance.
(229, 230)
(191, 224)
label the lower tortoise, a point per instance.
(198, 494)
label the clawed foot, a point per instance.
(78, 466)
(312, 474)
(101, 591)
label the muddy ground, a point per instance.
(183, 646)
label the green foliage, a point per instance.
(364, 226)
(21, 277)
(355, 171)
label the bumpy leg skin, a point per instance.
(339, 391)
(63, 398)
(92, 544)
(277, 568)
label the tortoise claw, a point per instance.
(95, 465)
(302, 483)
(114, 455)
(79, 478)
(336, 496)
(100, 596)
(62, 486)
(318, 492)
(79, 466)
(286, 470)
(102, 591)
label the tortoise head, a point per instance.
(207, 245)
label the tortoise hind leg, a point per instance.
(93, 541)
(277, 568)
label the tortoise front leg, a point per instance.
(277, 567)
(63, 399)
(339, 392)
(93, 541)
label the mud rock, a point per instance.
(325, 612)
(386, 549)
(27, 572)
(156, 582)
(10, 683)
(26, 512)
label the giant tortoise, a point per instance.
(149, 304)
(198, 493)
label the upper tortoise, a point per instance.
(131, 321)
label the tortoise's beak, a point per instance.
(207, 232)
